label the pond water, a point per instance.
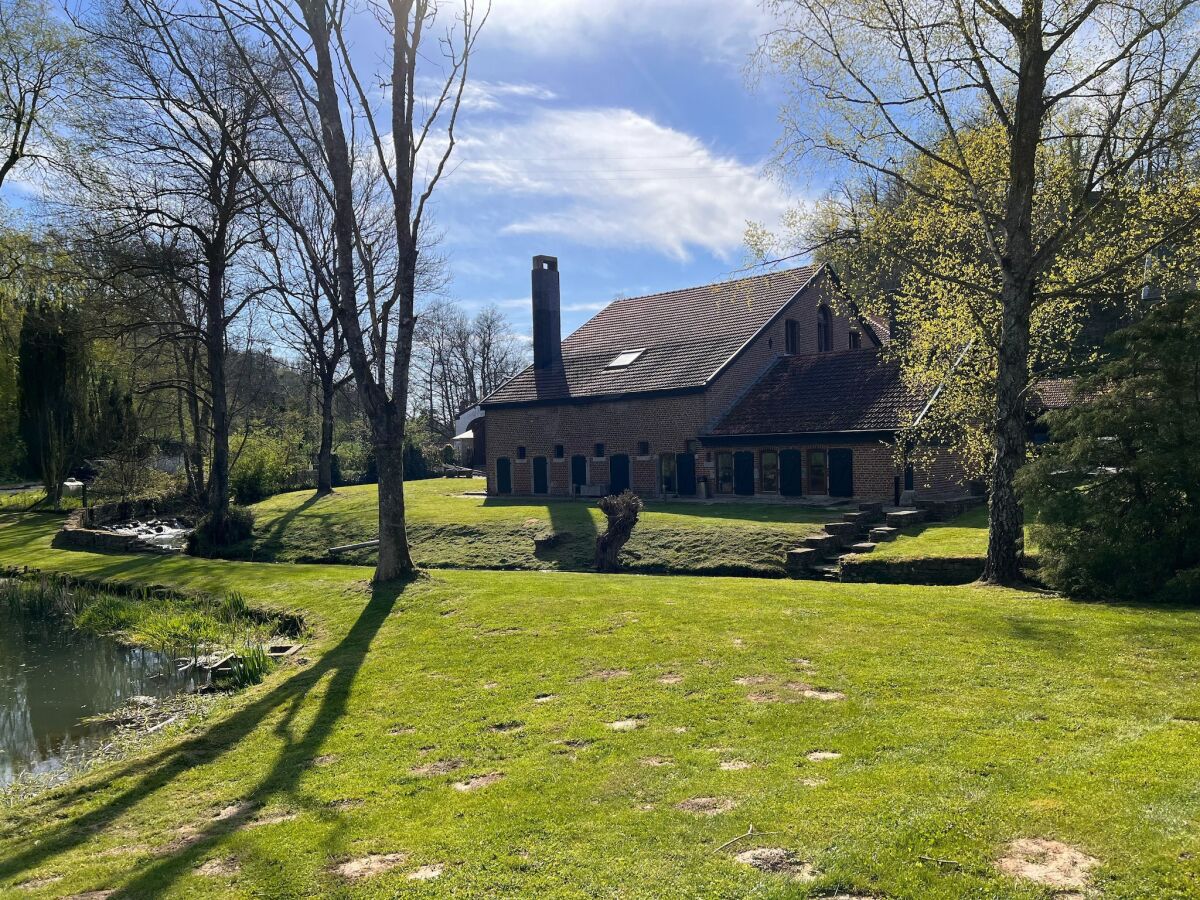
(52, 677)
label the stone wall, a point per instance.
(80, 532)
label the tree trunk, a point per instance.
(214, 345)
(395, 558)
(1019, 266)
(622, 513)
(1005, 520)
(325, 453)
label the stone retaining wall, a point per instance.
(79, 531)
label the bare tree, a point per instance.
(300, 264)
(460, 360)
(881, 81)
(410, 134)
(181, 124)
(40, 66)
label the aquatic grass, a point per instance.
(191, 625)
(251, 665)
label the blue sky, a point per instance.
(621, 137)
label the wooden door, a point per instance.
(503, 475)
(685, 472)
(743, 473)
(841, 473)
(541, 477)
(791, 475)
(618, 473)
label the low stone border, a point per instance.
(79, 531)
(944, 570)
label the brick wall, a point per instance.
(669, 423)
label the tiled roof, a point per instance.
(687, 336)
(848, 390)
(1052, 393)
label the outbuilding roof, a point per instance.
(820, 393)
(685, 337)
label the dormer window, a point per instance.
(824, 330)
(625, 358)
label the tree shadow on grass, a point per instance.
(340, 665)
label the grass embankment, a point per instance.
(452, 530)
(971, 717)
(930, 553)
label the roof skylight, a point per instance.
(625, 358)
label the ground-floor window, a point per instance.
(725, 472)
(668, 480)
(817, 472)
(770, 472)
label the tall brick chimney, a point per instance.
(547, 323)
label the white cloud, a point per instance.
(614, 177)
(479, 96)
(725, 29)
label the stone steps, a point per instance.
(858, 532)
(902, 518)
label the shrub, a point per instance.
(262, 469)
(212, 538)
(1114, 495)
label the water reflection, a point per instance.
(52, 677)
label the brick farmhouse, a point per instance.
(763, 386)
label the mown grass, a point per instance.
(971, 717)
(450, 529)
(963, 538)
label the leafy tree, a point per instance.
(990, 99)
(1116, 495)
(52, 363)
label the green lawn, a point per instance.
(971, 717)
(963, 537)
(450, 529)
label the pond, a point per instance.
(53, 676)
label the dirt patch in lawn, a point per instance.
(544, 698)
(657, 761)
(327, 760)
(670, 678)
(441, 767)
(401, 730)
(233, 811)
(366, 866)
(275, 818)
(479, 781)
(347, 803)
(777, 861)
(735, 765)
(91, 895)
(762, 697)
(38, 883)
(505, 727)
(625, 724)
(751, 680)
(707, 806)
(608, 674)
(225, 867)
(426, 873)
(813, 693)
(1047, 862)
(823, 755)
